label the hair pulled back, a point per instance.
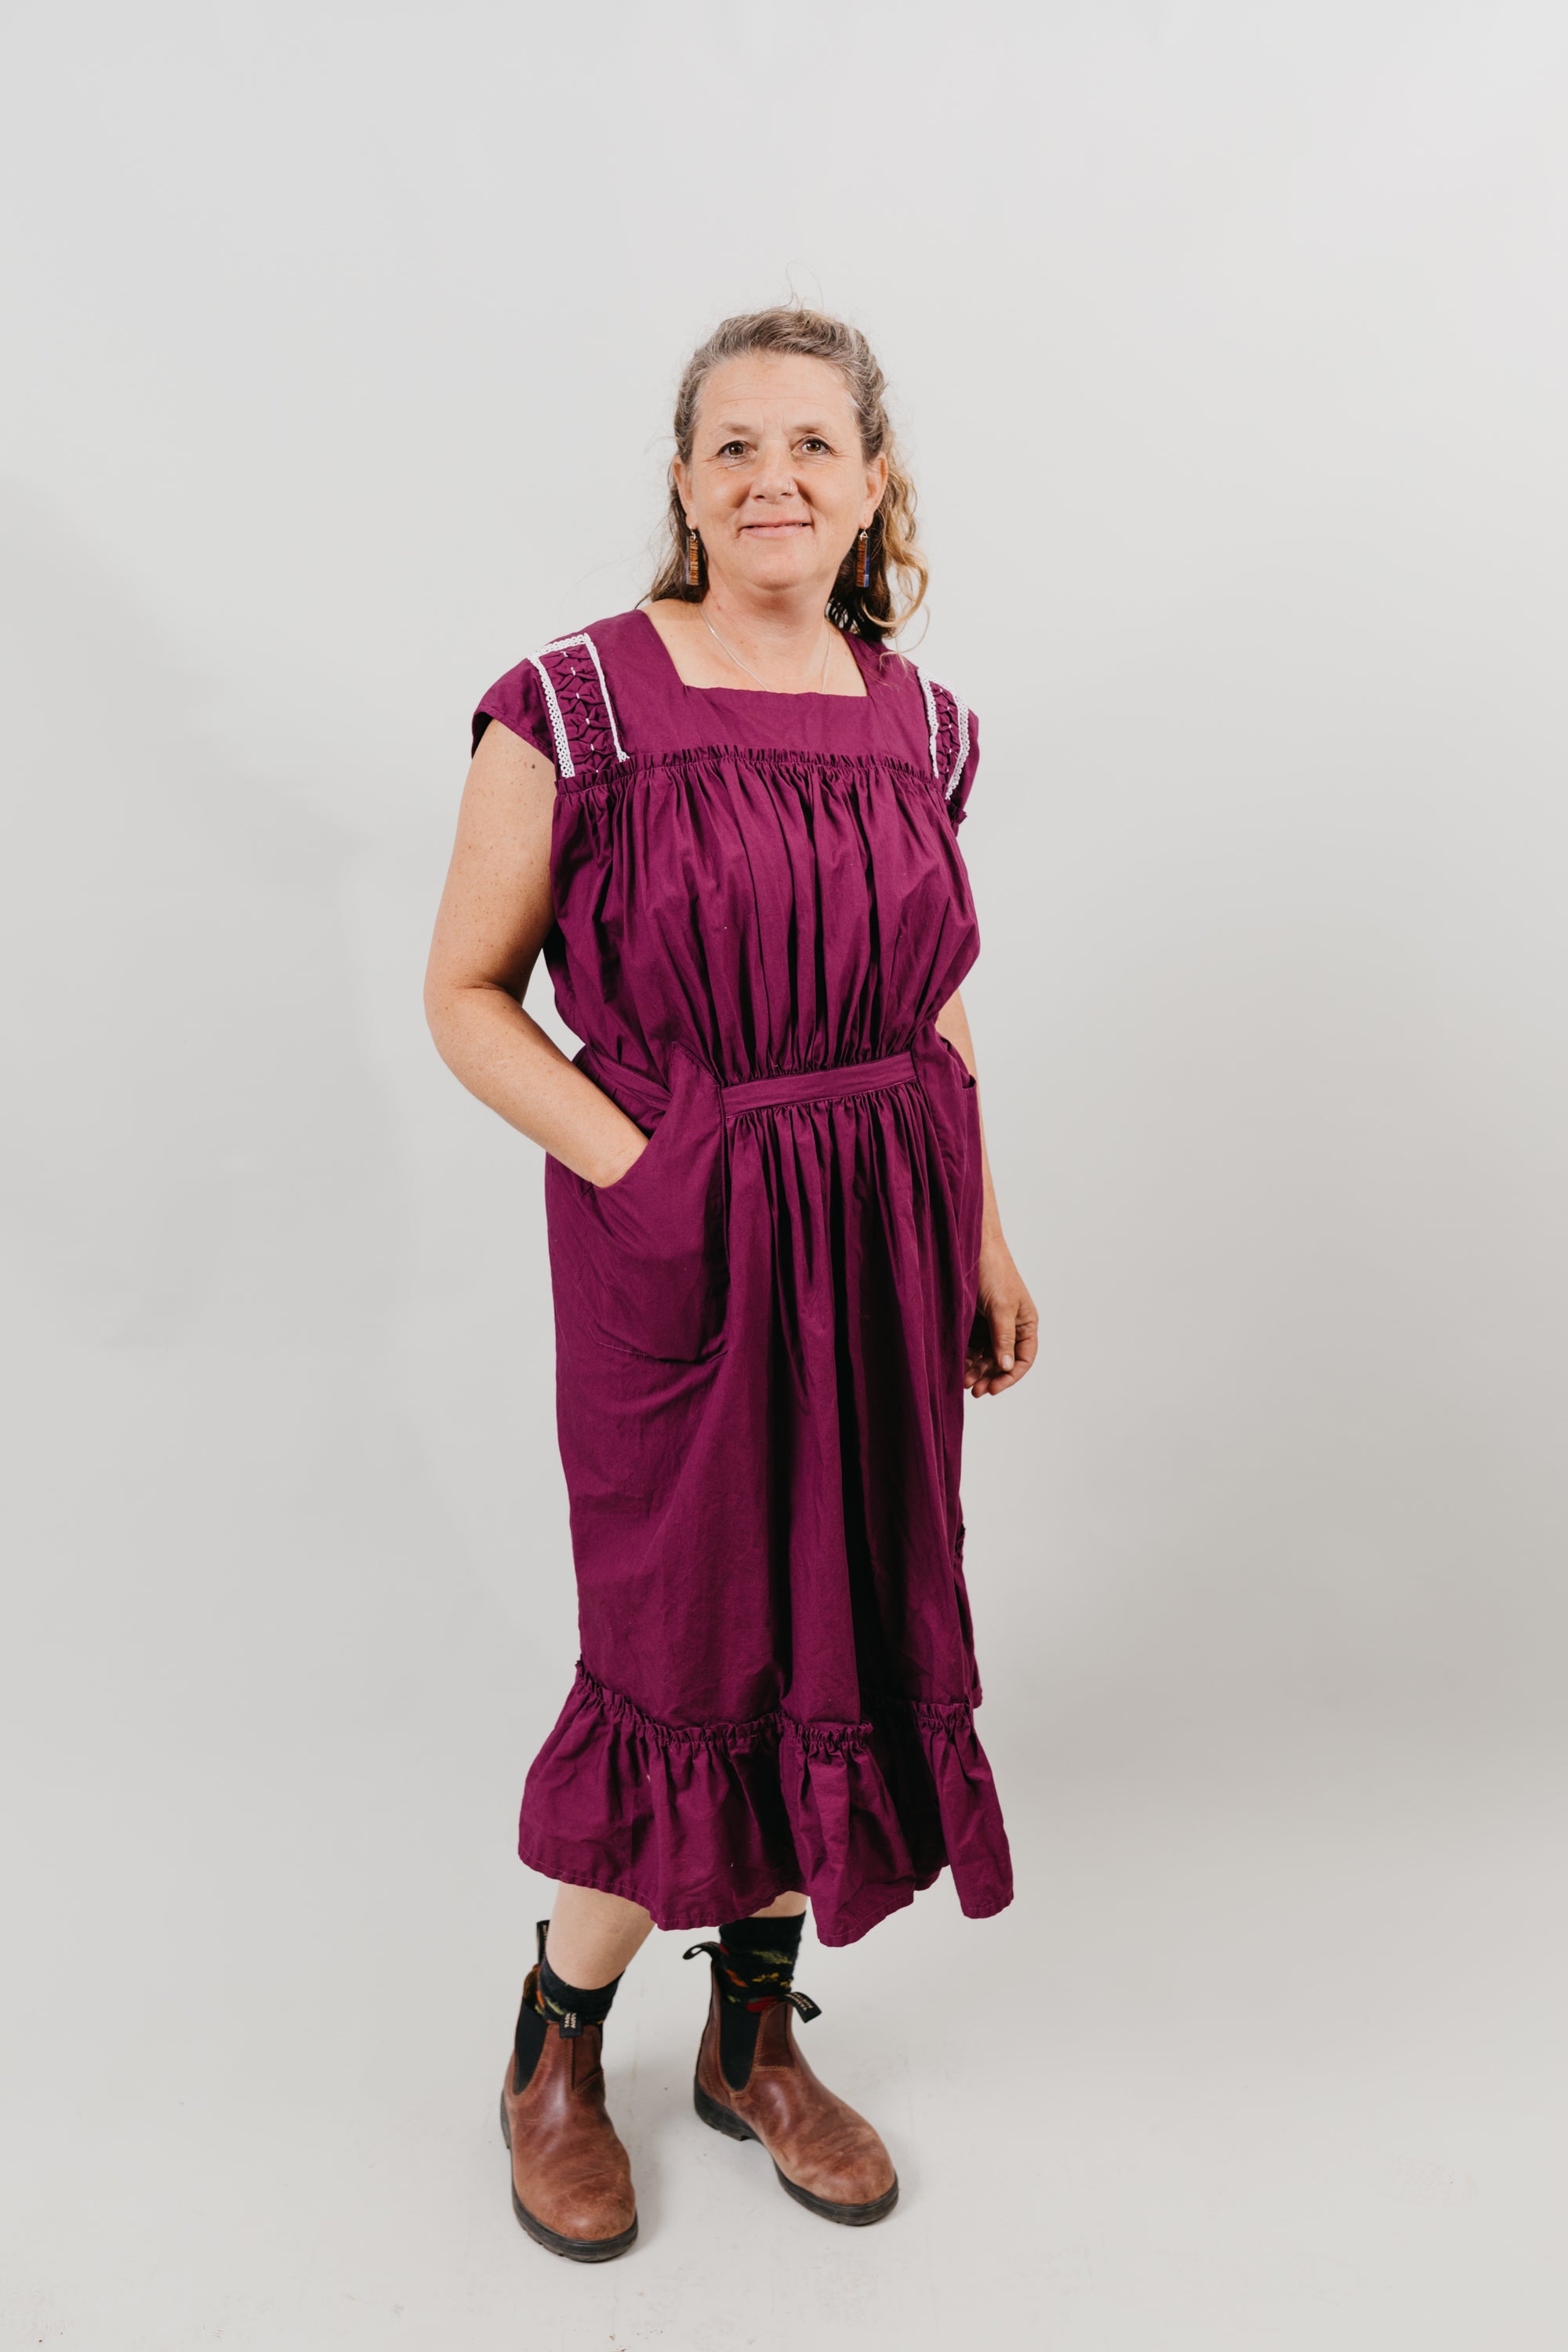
(898, 570)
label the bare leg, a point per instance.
(783, 1906)
(593, 1936)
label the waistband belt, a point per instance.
(840, 1079)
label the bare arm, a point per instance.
(1005, 1336)
(495, 915)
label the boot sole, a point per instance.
(574, 2250)
(853, 2217)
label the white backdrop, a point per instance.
(1230, 345)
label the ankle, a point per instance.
(753, 1969)
(759, 1958)
(570, 2006)
(548, 1999)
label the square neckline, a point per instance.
(857, 647)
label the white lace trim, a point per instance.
(927, 686)
(961, 762)
(557, 723)
(931, 718)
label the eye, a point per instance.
(733, 449)
(813, 441)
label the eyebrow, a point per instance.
(809, 426)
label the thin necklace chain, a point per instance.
(751, 672)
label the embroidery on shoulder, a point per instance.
(577, 701)
(948, 719)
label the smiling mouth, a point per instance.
(768, 529)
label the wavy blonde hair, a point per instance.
(898, 570)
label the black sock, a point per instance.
(755, 1961)
(554, 2002)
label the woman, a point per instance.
(728, 818)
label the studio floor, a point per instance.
(1246, 2068)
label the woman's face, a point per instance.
(777, 487)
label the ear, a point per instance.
(876, 483)
(679, 475)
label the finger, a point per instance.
(1026, 1347)
(1003, 1333)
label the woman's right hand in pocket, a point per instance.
(608, 1170)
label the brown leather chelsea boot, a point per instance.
(571, 2177)
(827, 2157)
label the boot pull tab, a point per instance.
(716, 1949)
(804, 2008)
(566, 2020)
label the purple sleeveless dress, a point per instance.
(759, 907)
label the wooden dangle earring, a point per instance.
(863, 561)
(693, 560)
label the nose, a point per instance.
(774, 477)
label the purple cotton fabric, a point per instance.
(759, 905)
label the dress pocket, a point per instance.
(961, 1068)
(953, 1099)
(642, 1264)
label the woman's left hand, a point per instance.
(1005, 1336)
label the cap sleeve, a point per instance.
(969, 759)
(954, 744)
(517, 701)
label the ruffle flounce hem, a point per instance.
(703, 1822)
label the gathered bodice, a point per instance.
(771, 883)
